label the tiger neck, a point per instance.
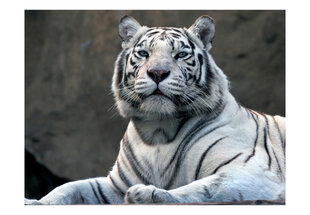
(161, 131)
(164, 131)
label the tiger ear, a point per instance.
(128, 27)
(204, 29)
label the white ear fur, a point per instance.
(128, 27)
(204, 29)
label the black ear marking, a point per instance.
(204, 29)
(128, 27)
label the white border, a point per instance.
(12, 104)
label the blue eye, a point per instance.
(181, 55)
(143, 54)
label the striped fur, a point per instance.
(188, 140)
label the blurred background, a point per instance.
(72, 130)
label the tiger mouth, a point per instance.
(157, 92)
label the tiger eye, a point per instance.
(181, 55)
(143, 54)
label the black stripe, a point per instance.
(277, 162)
(135, 67)
(122, 175)
(192, 64)
(190, 70)
(140, 44)
(94, 191)
(141, 88)
(125, 66)
(129, 74)
(279, 132)
(174, 35)
(203, 157)
(137, 56)
(120, 67)
(188, 57)
(82, 198)
(171, 41)
(152, 42)
(208, 194)
(266, 134)
(208, 132)
(118, 189)
(183, 45)
(127, 56)
(175, 84)
(192, 45)
(266, 147)
(225, 163)
(148, 30)
(255, 142)
(132, 63)
(209, 76)
(188, 75)
(101, 193)
(141, 83)
(177, 30)
(152, 33)
(246, 110)
(133, 161)
(137, 41)
(200, 67)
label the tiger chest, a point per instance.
(162, 163)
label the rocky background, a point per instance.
(72, 128)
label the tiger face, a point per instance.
(167, 72)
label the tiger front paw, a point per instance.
(144, 194)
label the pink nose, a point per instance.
(158, 75)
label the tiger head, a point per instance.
(167, 72)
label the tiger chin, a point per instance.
(188, 140)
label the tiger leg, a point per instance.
(89, 191)
(214, 188)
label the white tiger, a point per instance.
(188, 140)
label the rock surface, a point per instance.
(72, 126)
